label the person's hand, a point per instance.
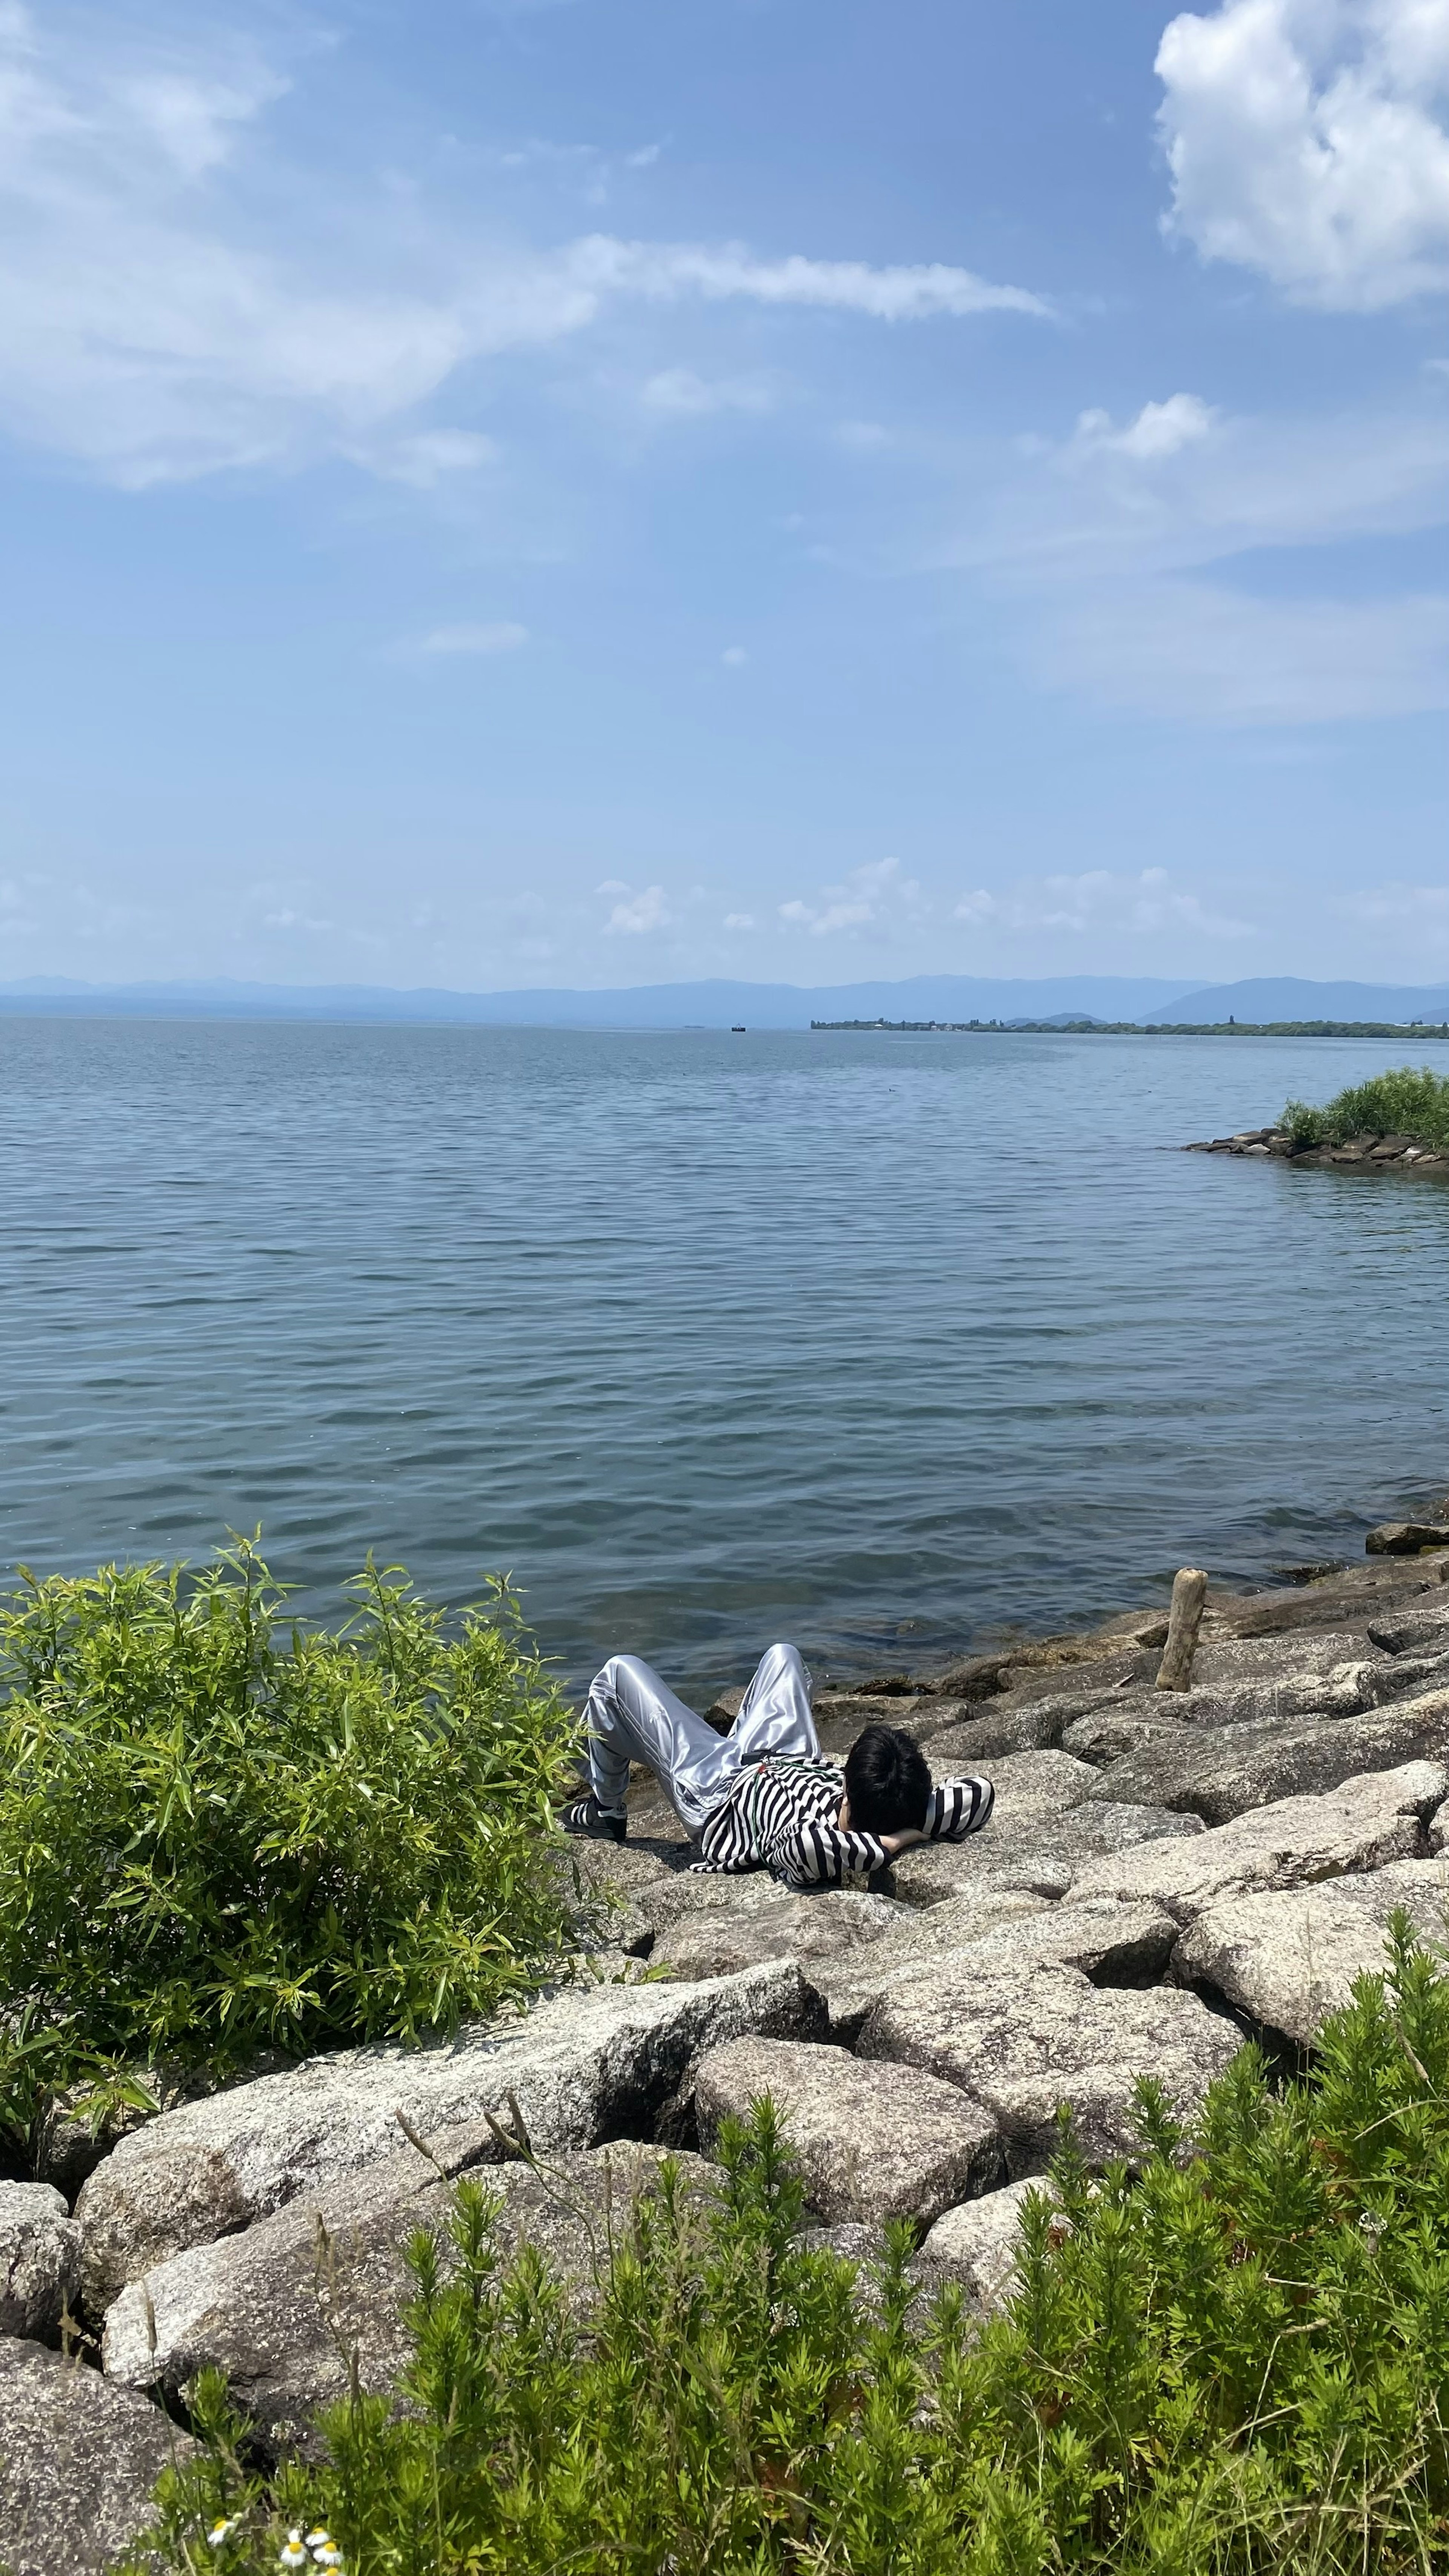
(893, 1844)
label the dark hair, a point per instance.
(887, 1781)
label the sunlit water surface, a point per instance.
(876, 1342)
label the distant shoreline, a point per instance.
(1059, 1028)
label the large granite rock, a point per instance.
(78, 2462)
(584, 2065)
(1042, 1856)
(1009, 1726)
(977, 2244)
(1425, 1632)
(1362, 1825)
(872, 2142)
(1114, 1945)
(1110, 1732)
(1226, 1664)
(1033, 1787)
(739, 1930)
(288, 2309)
(1290, 1959)
(851, 1982)
(39, 2259)
(1228, 1772)
(1019, 2040)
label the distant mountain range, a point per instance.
(718, 1004)
(1292, 997)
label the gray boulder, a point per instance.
(850, 1984)
(1424, 1633)
(1114, 1945)
(1031, 1787)
(977, 2244)
(1043, 1857)
(1362, 1825)
(78, 2462)
(292, 2307)
(1291, 1958)
(584, 2065)
(1228, 1772)
(39, 2259)
(1008, 1726)
(1021, 2041)
(1406, 1538)
(1110, 1732)
(719, 1940)
(872, 2142)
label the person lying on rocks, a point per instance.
(763, 1796)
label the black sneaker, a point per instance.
(592, 1823)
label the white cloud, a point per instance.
(734, 657)
(1158, 431)
(682, 395)
(174, 301)
(1155, 584)
(501, 637)
(1306, 139)
(612, 885)
(1424, 906)
(739, 921)
(1198, 650)
(640, 912)
(870, 895)
(667, 271)
(426, 458)
(1094, 901)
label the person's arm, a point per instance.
(823, 1856)
(957, 1808)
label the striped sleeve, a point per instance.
(819, 1855)
(958, 1808)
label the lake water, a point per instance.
(881, 1343)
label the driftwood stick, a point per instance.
(1189, 1591)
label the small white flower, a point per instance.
(222, 2529)
(330, 2556)
(294, 2555)
(319, 2539)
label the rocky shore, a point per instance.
(1167, 1873)
(1372, 1153)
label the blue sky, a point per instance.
(603, 492)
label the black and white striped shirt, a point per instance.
(781, 1815)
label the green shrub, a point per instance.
(1405, 1103)
(1236, 2361)
(218, 1835)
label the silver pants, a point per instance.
(632, 1716)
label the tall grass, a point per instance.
(221, 1832)
(1233, 2361)
(1405, 1103)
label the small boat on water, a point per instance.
(738, 1031)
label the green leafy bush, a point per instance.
(1405, 1103)
(1235, 2361)
(220, 1835)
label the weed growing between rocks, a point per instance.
(1405, 1103)
(220, 1835)
(1235, 2360)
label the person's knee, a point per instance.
(623, 1684)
